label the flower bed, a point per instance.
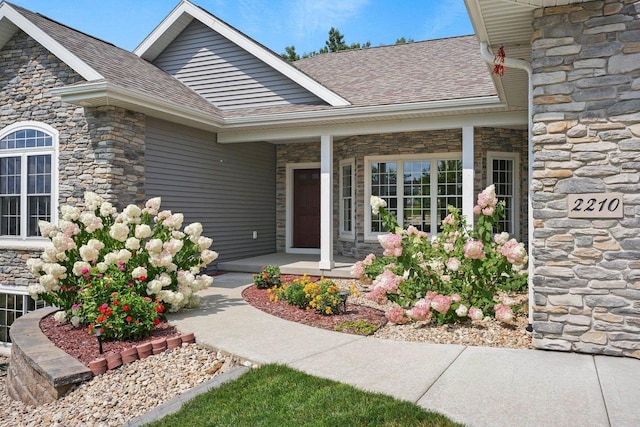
(260, 299)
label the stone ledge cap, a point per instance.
(42, 355)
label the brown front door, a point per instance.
(306, 208)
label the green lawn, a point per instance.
(275, 395)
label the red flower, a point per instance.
(146, 299)
(128, 318)
(116, 302)
(125, 307)
(143, 278)
(159, 308)
(156, 321)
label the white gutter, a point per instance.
(366, 112)
(526, 66)
(104, 93)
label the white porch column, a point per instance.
(326, 202)
(467, 174)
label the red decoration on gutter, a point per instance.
(498, 61)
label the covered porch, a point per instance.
(291, 264)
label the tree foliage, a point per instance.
(402, 40)
(334, 43)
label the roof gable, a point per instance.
(12, 18)
(114, 76)
(226, 75)
(178, 20)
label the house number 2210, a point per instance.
(595, 205)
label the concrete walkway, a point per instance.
(476, 386)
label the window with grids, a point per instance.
(417, 189)
(502, 172)
(347, 198)
(26, 157)
(12, 306)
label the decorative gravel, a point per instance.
(487, 333)
(119, 395)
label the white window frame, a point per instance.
(515, 158)
(350, 235)
(23, 241)
(432, 157)
(18, 291)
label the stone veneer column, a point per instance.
(117, 139)
(586, 134)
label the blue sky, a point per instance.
(274, 23)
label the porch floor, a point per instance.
(290, 264)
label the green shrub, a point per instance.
(357, 327)
(269, 277)
(295, 295)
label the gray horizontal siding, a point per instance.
(225, 74)
(230, 188)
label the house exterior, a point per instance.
(272, 156)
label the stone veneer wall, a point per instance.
(357, 147)
(100, 149)
(586, 76)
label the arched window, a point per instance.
(28, 165)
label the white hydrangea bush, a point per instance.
(142, 250)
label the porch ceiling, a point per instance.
(508, 23)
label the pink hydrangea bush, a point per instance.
(454, 276)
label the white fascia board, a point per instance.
(368, 112)
(104, 93)
(148, 49)
(479, 119)
(477, 21)
(79, 66)
(245, 43)
(475, 15)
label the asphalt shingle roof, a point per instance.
(120, 67)
(433, 70)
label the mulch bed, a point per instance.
(78, 343)
(259, 298)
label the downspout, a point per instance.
(526, 66)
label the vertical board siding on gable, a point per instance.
(230, 188)
(225, 74)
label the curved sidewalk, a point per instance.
(477, 386)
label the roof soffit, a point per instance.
(185, 12)
(11, 20)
